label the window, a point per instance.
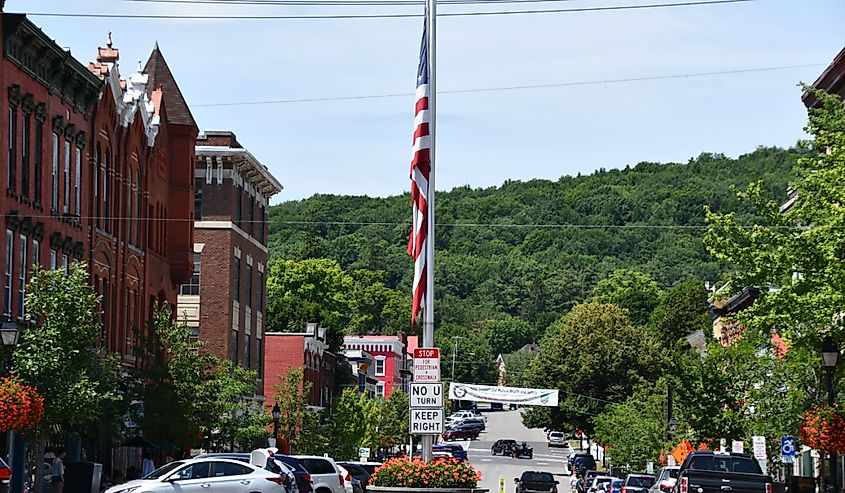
(77, 175)
(53, 259)
(248, 299)
(106, 171)
(7, 286)
(22, 260)
(193, 286)
(318, 466)
(54, 193)
(234, 349)
(380, 365)
(137, 215)
(251, 226)
(13, 135)
(39, 154)
(25, 155)
(66, 180)
(36, 252)
(247, 361)
(238, 205)
(380, 390)
(262, 222)
(260, 301)
(236, 279)
(197, 470)
(64, 264)
(259, 356)
(96, 186)
(129, 208)
(198, 200)
(230, 469)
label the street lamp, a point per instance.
(9, 332)
(830, 355)
(276, 413)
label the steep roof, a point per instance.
(178, 112)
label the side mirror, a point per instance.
(516, 480)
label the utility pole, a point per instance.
(454, 355)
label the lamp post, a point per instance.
(830, 356)
(671, 422)
(276, 413)
(9, 333)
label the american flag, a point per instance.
(420, 168)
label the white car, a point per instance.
(203, 476)
(468, 414)
(347, 479)
(326, 476)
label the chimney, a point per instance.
(109, 54)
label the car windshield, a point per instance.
(556, 434)
(640, 482)
(725, 464)
(602, 480)
(617, 483)
(671, 473)
(165, 470)
(538, 476)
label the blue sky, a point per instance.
(362, 147)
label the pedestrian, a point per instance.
(147, 466)
(57, 472)
(573, 481)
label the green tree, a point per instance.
(311, 290)
(377, 309)
(298, 423)
(634, 291)
(507, 334)
(185, 396)
(636, 429)
(58, 355)
(682, 311)
(595, 356)
(517, 364)
(798, 250)
(393, 419)
(349, 424)
(474, 360)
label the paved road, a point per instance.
(508, 424)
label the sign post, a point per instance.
(759, 444)
(787, 449)
(426, 397)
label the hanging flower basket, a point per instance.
(21, 406)
(824, 429)
(415, 475)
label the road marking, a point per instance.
(486, 460)
(542, 463)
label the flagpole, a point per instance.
(428, 316)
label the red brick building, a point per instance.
(96, 169)
(307, 350)
(389, 359)
(140, 193)
(48, 99)
(224, 301)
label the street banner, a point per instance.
(505, 395)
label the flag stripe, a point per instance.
(420, 169)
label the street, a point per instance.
(508, 424)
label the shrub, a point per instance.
(439, 473)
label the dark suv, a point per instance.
(503, 446)
(582, 460)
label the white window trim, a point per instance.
(383, 366)
(380, 390)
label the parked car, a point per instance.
(360, 475)
(469, 414)
(583, 461)
(536, 482)
(614, 486)
(472, 424)
(478, 422)
(205, 474)
(461, 431)
(326, 477)
(557, 439)
(5, 476)
(457, 451)
(594, 483)
(712, 472)
(271, 464)
(303, 477)
(346, 476)
(502, 446)
(666, 480)
(638, 483)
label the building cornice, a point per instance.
(250, 167)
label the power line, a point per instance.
(341, 3)
(520, 87)
(377, 16)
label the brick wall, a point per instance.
(281, 353)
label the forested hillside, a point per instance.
(525, 252)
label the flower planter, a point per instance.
(402, 489)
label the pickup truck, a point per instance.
(721, 472)
(536, 482)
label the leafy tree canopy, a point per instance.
(634, 291)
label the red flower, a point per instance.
(21, 407)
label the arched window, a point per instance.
(95, 178)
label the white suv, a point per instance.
(326, 476)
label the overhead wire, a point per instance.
(380, 16)
(513, 88)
